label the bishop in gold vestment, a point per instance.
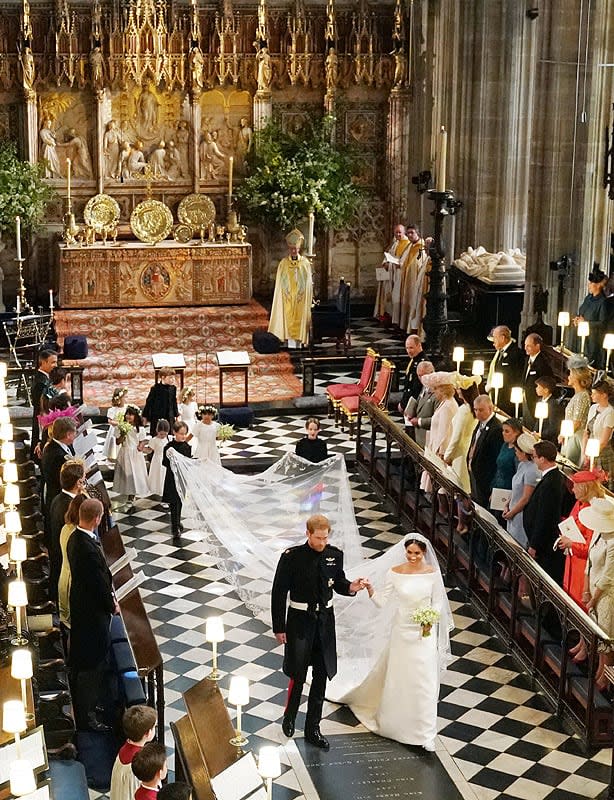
(291, 310)
(387, 300)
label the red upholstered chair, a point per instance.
(379, 396)
(336, 392)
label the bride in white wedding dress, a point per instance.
(398, 697)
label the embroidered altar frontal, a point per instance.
(166, 274)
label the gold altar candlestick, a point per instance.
(230, 169)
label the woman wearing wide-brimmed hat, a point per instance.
(598, 595)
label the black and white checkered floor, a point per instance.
(497, 736)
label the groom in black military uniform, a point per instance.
(309, 573)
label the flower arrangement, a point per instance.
(225, 432)
(23, 191)
(291, 174)
(123, 427)
(426, 618)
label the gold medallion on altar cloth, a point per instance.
(155, 281)
(101, 213)
(151, 221)
(197, 211)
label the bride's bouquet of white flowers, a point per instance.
(225, 432)
(426, 618)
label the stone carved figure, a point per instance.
(176, 168)
(49, 152)
(27, 69)
(212, 159)
(265, 70)
(182, 137)
(244, 142)
(136, 160)
(81, 162)
(157, 161)
(332, 69)
(96, 68)
(148, 109)
(400, 66)
(124, 172)
(197, 63)
(111, 142)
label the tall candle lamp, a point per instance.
(608, 346)
(22, 304)
(516, 398)
(563, 322)
(214, 633)
(593, 448)
(458, 356)
(238, 695)
(497, 383)
(567, 429)
(583, 332)
(478, 368)
(18, 599)
(269, 767)
(541, 413)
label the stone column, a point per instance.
(397, 156)
(195, 122)
(31, 127)
(100, 162)
(263, 109)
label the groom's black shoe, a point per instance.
(315, 738)
(287, 726)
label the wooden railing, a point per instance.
(539, 636)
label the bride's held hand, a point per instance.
(358, 584)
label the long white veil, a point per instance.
(249, 520)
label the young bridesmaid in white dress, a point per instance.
(118, 406)
(131, 470)
(156, 446)
(188, 408)
(205, 435)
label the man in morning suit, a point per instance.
(309, 573)
(72, 481)
(485, 444)
(542, 514)
(47, 360)
(91, 603)
(509, 361)
(536, 366)
(57, 450)
(413, 386)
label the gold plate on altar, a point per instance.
(151, 221)
(182, 233)
(197, 211)
(101, 213)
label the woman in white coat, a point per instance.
(442, 385)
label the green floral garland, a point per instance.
(290, 175)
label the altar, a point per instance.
(135, 275)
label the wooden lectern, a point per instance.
(202, 739)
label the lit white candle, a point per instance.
(18, 236)
(18, 305)
(230, 167)
(442, 156)
(68, 178)
(50, 299)
(312, 220)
